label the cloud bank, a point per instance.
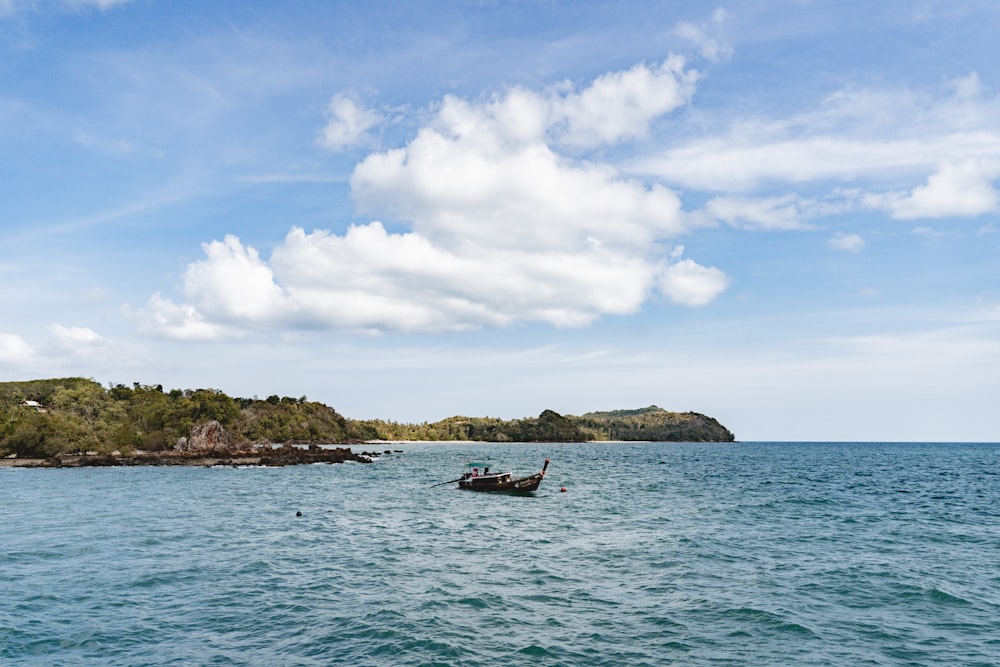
(854, 146)
(511, 209)
(507, 224)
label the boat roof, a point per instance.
(478, 464)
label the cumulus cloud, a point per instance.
(165, 319)
(846, 242)
(621, 105)
(371, 280)
(505, 208)
(348, 125)
(963, 189)
(687, 283)
(472, 179)
(233, 284)
(504, 227)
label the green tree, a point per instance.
(45, 434)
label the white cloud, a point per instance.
(61, 350)
(369, 279)
(946, 155)
(14, 350)
(233, 283)
(961, 189)
(503, 227)
(348, 125)
(687, 283)
(621, 105)
(76, 335)
(786, 212)
(230, 289)
(846, 242)
(741, 162)
(460, 186)
(510, 217)
(165, 319)
(711, 47)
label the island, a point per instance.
(79, 422)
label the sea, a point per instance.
(749, 553)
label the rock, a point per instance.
(290, 455)
(267, 455)
(209, 437)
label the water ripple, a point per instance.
(764, 554)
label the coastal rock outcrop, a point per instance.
(209, 437)
(288, 455)
(262, 455)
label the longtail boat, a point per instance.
(481, 479)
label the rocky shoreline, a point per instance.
(284, 455)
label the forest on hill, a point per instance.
(652, 424)
(43, 418)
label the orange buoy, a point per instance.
(562, 489)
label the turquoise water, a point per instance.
(657, 554)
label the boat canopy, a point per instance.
(478, 464)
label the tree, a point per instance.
(44, 434)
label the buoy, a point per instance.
(298, 514)
(562, 489)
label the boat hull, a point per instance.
(487, 485)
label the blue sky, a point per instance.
(781, 214)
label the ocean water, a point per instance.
(656, 554)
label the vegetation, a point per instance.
(654, 424)
(42, 418)
(548, 427)
(650, 423)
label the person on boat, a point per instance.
(475, 472)
(486, 470)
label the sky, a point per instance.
(781, 214)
